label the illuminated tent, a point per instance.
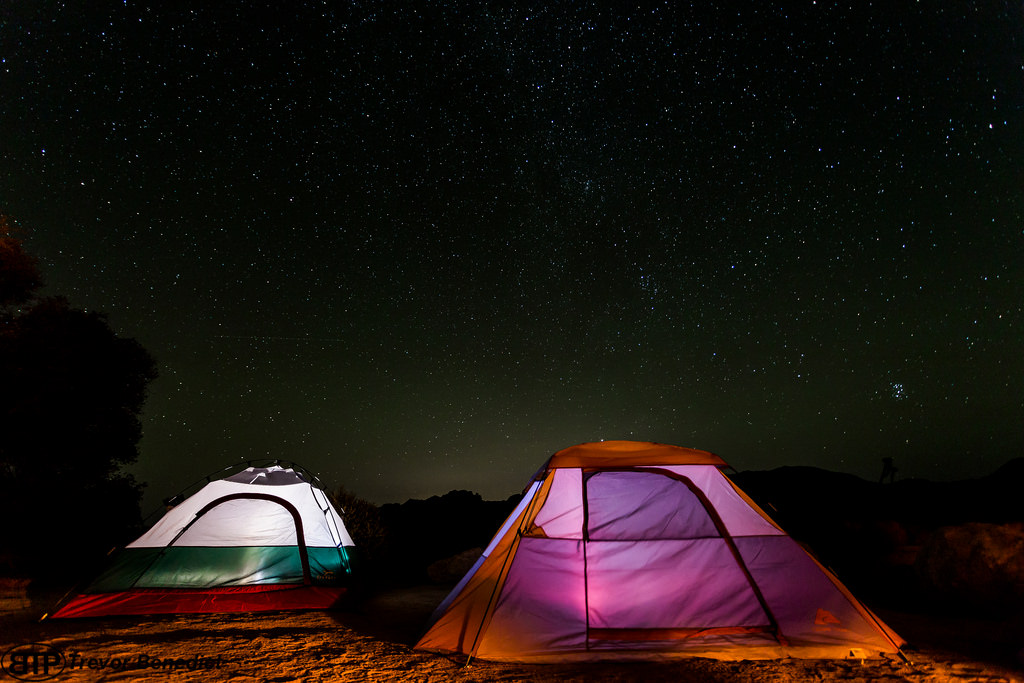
(265, 538)
(623, 550)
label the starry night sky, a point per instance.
(419, 246)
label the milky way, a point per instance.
(420, 246)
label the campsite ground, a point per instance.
(372, 641)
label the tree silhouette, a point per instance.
(69, 421)
(19, 272)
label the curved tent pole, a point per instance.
(221, 474)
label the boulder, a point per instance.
(14, 594)
(452, 569)
(975, 564)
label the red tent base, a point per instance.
(201, 600)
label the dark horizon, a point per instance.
(885, 478)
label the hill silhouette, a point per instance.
(809, 502)
(421, 532)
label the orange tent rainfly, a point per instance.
(623, 550)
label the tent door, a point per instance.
(659, 564)
(236, 540)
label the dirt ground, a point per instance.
(372, 641)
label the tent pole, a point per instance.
(505, 565)
(585, 534)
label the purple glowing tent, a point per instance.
(625, 550)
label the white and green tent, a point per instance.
(264, 538)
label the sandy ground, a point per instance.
(373, 641)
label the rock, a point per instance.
(453, 568)
(980, 564)
(14, 594)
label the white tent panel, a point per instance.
(322, 528)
